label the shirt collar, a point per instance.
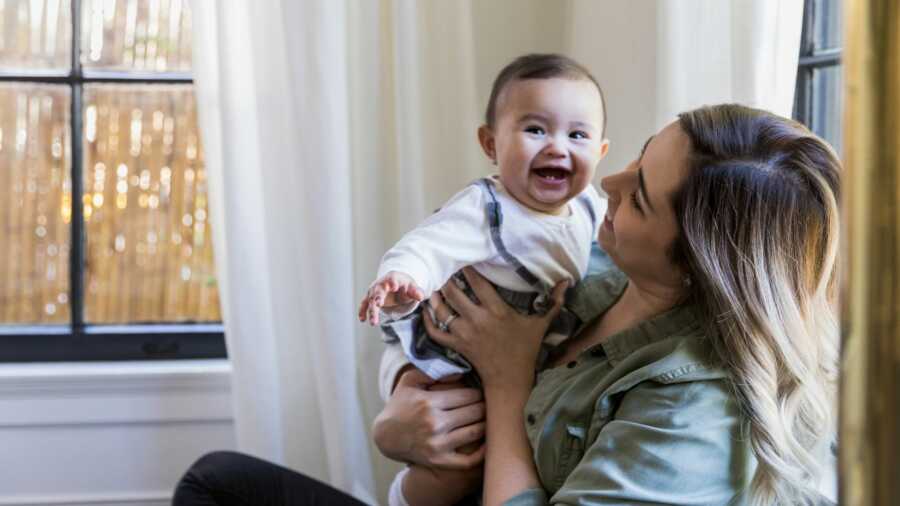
(597, 293)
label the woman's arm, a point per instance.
(428, 486)
(503, 347)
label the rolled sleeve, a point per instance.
(530, 497)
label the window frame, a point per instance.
(82, 341)
(811, 59)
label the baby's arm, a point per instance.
(425, 258)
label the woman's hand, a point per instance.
(426, 423)
(501, 343)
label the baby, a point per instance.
(525, 229)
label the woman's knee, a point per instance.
(204, 479)
(217, 461)
(211, 469)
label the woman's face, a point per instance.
(640, 224)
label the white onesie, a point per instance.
(523, 252)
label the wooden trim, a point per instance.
(870, 390)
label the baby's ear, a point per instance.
(486, 139)
(604, 148)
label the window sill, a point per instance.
(79, 393)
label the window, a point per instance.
(107, 252)
(817, 102)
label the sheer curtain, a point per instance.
(329, 127)
(332, 126)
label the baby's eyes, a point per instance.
(579, 134)
(537, 130)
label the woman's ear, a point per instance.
(486, 139)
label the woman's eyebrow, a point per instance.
(641, 184)
(644, 188)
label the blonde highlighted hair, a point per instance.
(758, 215)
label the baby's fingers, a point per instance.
(414, 293)
(374, 310)
(375, 302)
(379, 291)
(363, 309)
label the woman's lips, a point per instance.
(607, 223)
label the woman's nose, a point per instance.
(607, 184)
(613, 184)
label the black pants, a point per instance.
(229, 478)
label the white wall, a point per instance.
(622, 56)
(108, 433)
(625, 39)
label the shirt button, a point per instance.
(531, 419)
(572, 364)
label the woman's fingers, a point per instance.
(466, 415)
(440, 310)
(457, 397)
(457, 460)
(557, 297)
(445, 338)
(462, 436)
(483, 289)
(458, 299)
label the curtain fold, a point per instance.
(330, 127)
(275, 117)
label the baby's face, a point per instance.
(547, 140)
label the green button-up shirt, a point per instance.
(646, 417)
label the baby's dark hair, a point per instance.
(539, 66)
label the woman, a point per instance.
(705, 371)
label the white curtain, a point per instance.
(332, 126)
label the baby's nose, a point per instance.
(554, 148)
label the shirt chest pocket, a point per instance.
(575, 439)
(571, 452)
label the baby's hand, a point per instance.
(393, 289)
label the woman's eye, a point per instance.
(578, 134)
(534, 130)
(635, 203)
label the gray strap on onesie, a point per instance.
(495, 219)
(586, 202)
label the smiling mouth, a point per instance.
(552, 174)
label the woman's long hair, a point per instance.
(758, 215)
